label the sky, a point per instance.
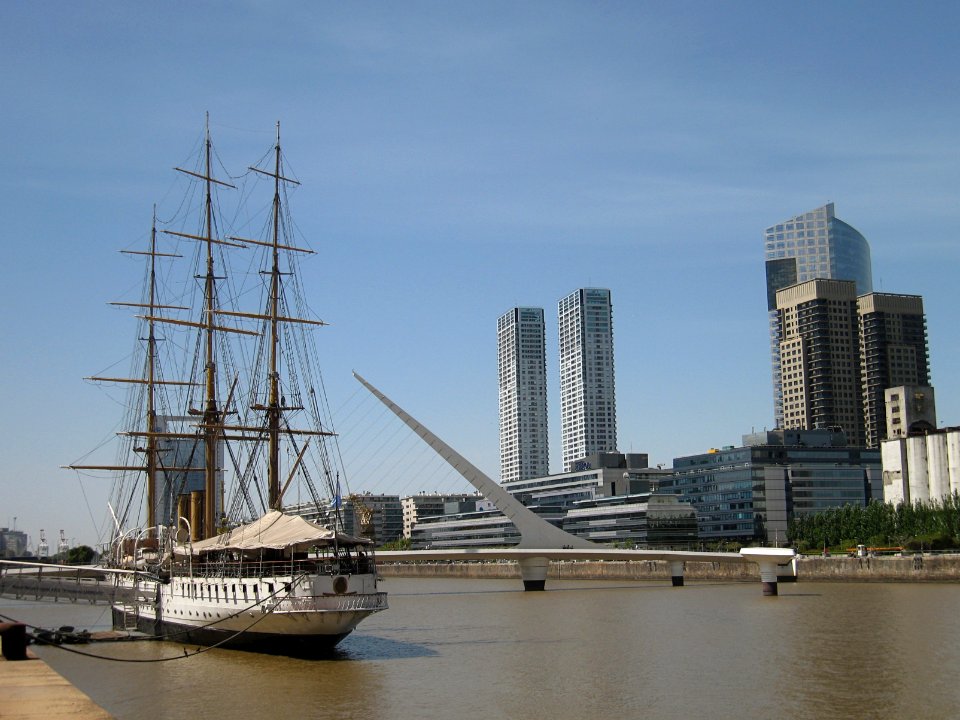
(459, 159)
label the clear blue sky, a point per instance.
(458, 159)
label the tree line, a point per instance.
(932, 525)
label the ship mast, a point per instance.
(275, 405)
(273, 402)
(152, 450)
(151, 385)
(211, 412)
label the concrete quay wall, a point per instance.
(881, 568)
(575, 570)
(31, 690)
(912, 568)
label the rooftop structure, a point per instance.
(910, 410)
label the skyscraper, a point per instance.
(893, 353)
(522, 362)
(820, 357)
(813, 245)
(588, 407)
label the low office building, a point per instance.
(601, 475)
(646, 520)
(470, 524)
(424, 505)
(750, 493)
(602, 490)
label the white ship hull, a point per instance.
(279, 613)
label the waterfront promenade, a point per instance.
(31, 690)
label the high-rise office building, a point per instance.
(813, 245)
(893, 353)
(588, 407)
(820, 357)
(522, 362)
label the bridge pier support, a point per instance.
(769, 560)
(676, 572)
(787, 573)
(533, 571)
(768, 578)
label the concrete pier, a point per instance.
(533, 572)
(31, 690)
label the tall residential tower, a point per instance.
(820, 358)
(893, 353)
(813, 245)
(588, 407)
(522, 362)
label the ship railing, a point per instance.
(271, 568)
(368, 602)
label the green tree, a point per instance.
(934, 524)
(398, 544)
(80, 555)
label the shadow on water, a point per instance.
(800, 595)
(356, 648)
(360, 648)
(373, 647)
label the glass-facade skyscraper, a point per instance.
(522, 364)
(588, 406)
(814, 245)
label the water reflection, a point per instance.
(483, 649)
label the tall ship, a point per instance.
(226, 418)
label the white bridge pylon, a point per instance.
(541, 542)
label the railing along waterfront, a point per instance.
(36, 581)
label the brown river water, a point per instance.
(465, 649)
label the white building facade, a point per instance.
(522, 367)
(588, 407)
(921, 468)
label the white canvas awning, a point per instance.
(274, 531)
